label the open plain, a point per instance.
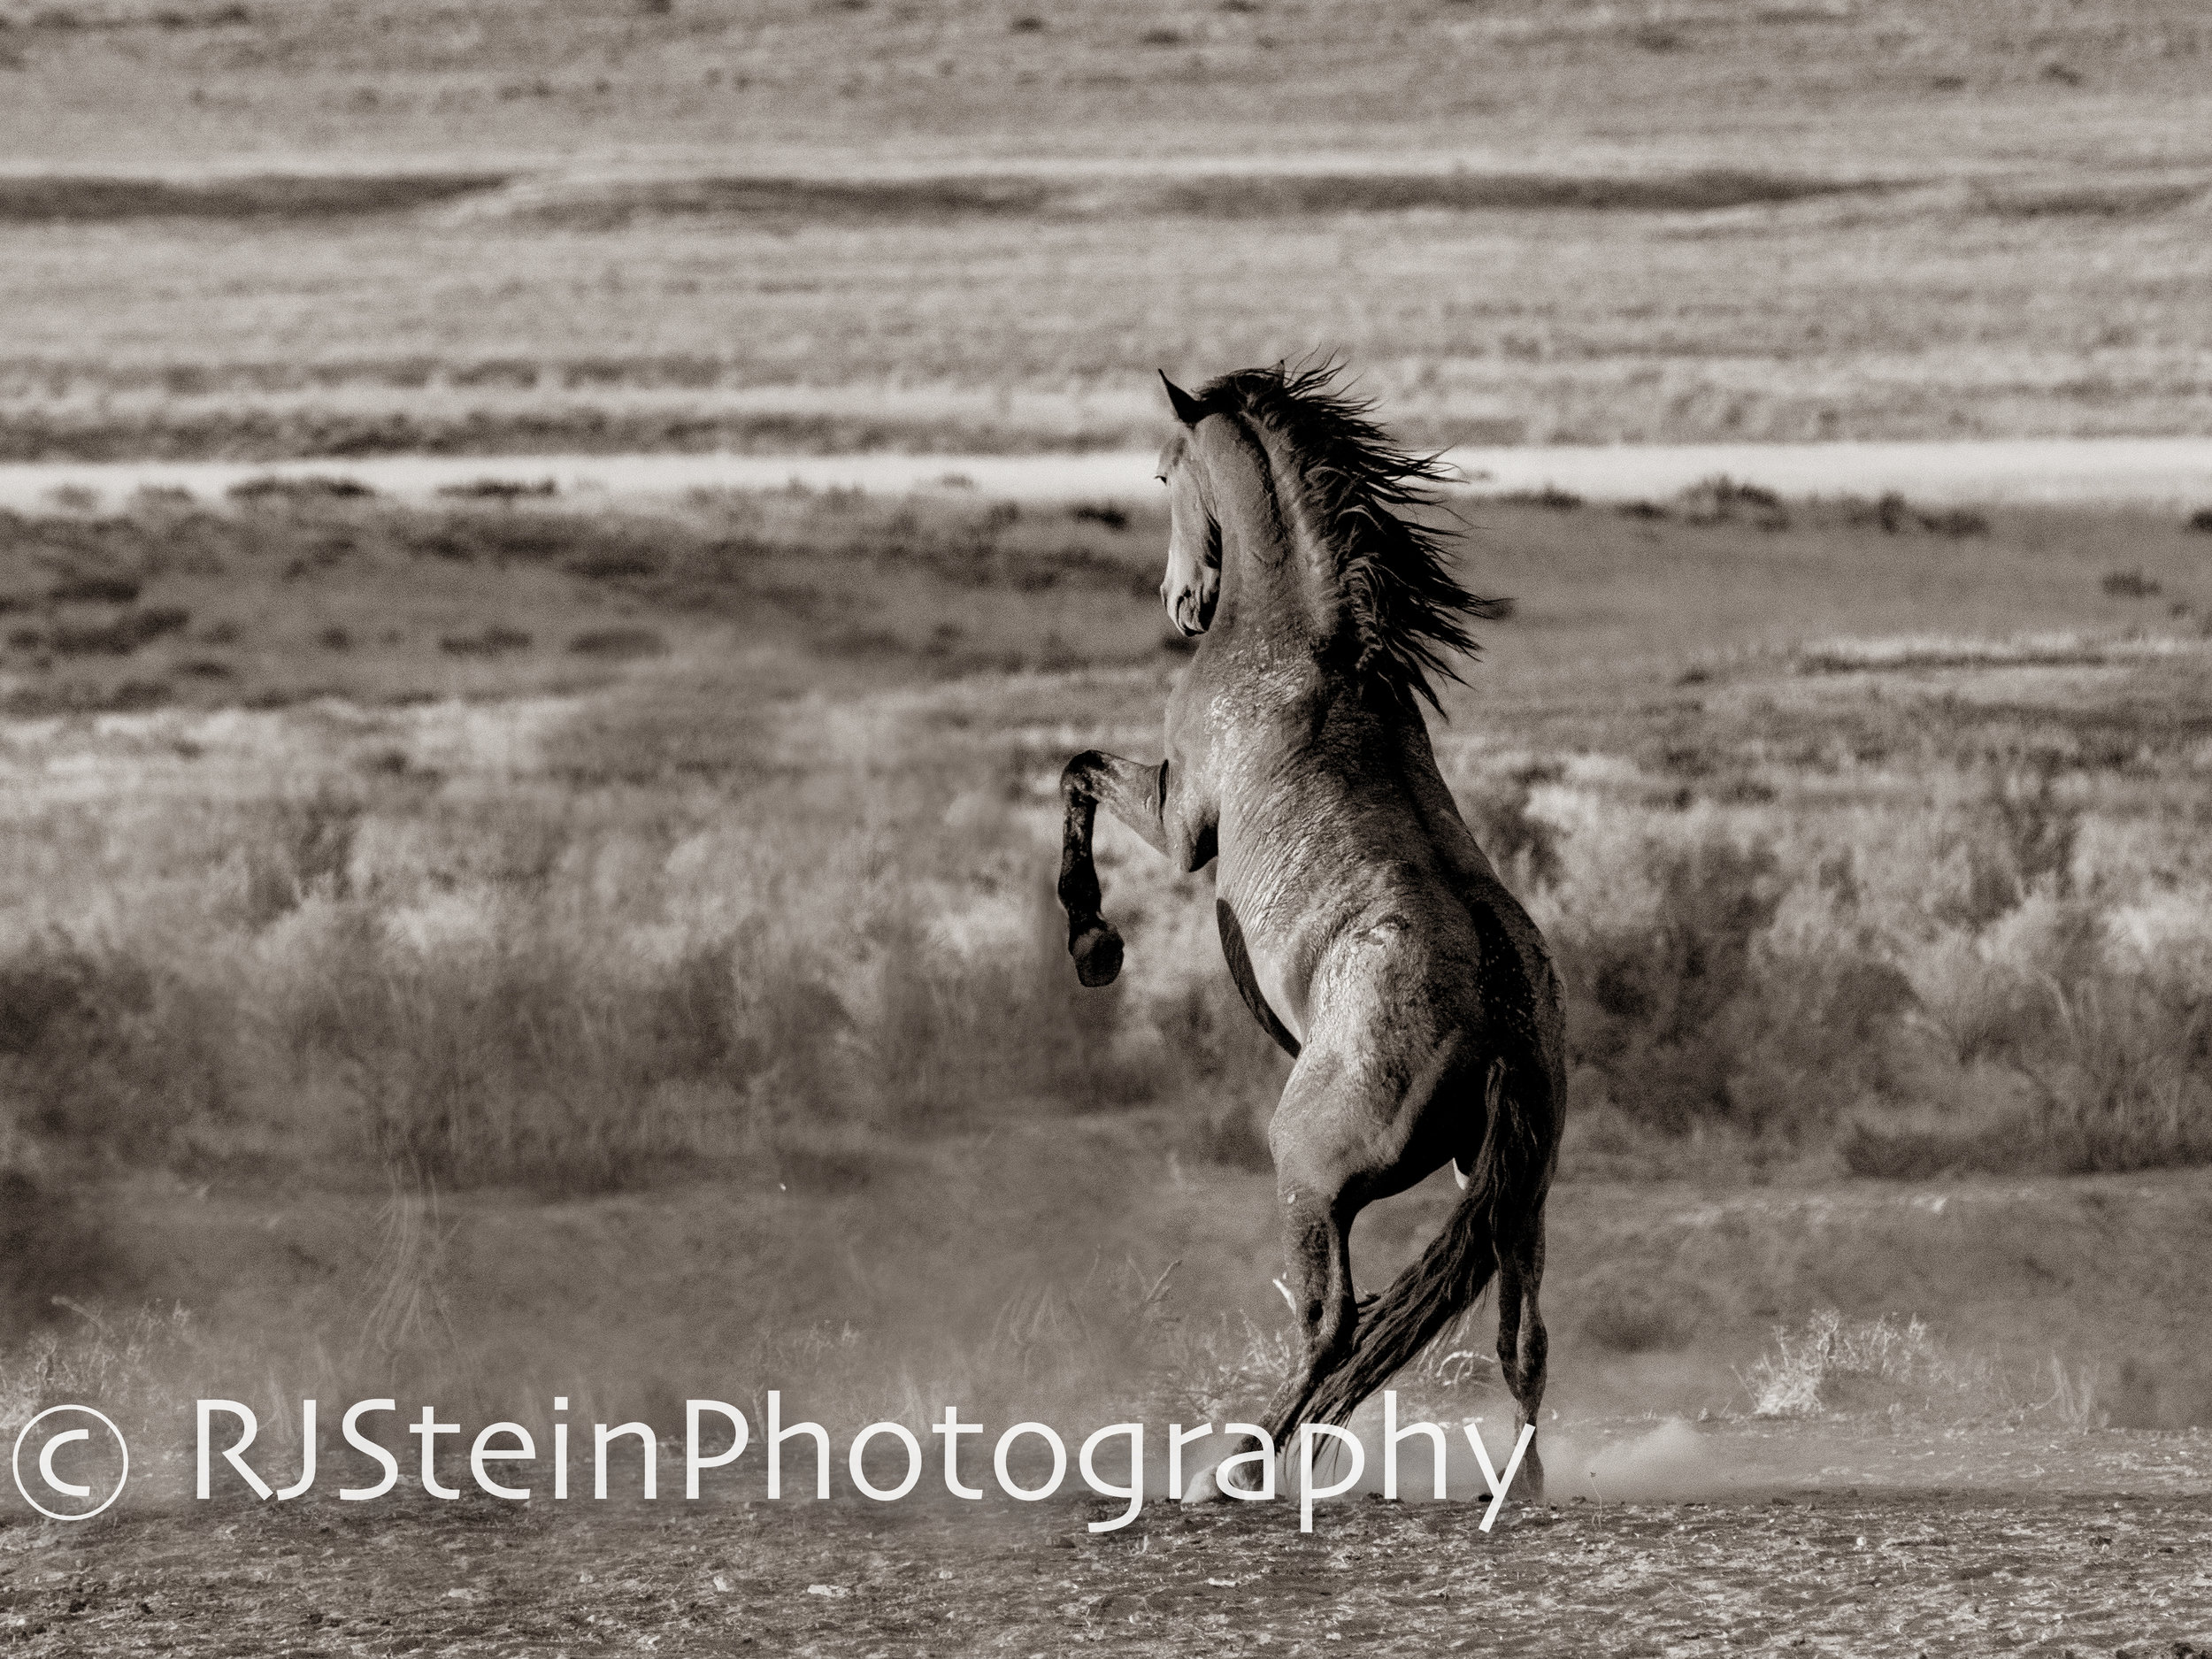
(478, 939)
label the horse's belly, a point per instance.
(1260, 979)
(1275, 986)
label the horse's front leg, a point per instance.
(1135, 794)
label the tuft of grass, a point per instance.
(1813, 1370)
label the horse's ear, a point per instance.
(1188, 410)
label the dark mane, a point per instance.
(1408, 613)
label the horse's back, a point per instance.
(1357, 864)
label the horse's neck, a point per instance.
(1278, 575)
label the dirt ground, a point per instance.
(1942, 1544)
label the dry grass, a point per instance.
(766, 847)
(1832, 1365)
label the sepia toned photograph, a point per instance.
(939, 828)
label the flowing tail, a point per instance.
(1506, 1185)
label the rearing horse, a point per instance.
(1366, 930)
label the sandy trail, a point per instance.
(2148, 472)
(2084, 1556)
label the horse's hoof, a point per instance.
(1097, 953)
(1205, 1489)
(1528, 1485)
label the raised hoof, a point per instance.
(1097, 953)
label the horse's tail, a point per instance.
(1503, 1192)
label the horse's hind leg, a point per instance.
(1522, 1343)
(1317, 1240)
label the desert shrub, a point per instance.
(1649, 1001)
(2004, 1144)
(104, 1052)
(493, 639)
(95, 589)
(622, 644)
(54, 1245)
(301, 848)
(1550, 497)
(1641, 1312)
(1958, 523)
(1987, 996)
(2122, 1080)
(304, 489)
(2200, 520)
(1721, 500)
(120, 636)
(2021, 837)
(499, 489)
(2129, 584)
(2080, 1068)
(1689, 1010)
(1894, 515)
(1818, 1034)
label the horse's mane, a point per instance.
(1408, 613)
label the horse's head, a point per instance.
(1193, 583)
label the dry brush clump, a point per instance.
(1943, 987)
(1832, 1365)
(569, 997)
